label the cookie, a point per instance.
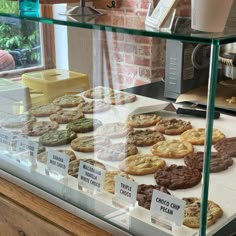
(41, 148)
(116, 151)
(141, 164)
(144, 194)
(192, 212)
(227, 146)
(74, 166)
(120, 98)
(218, 161)
(66, 116)
(84, 125)
(114, 130)
(89, 143)
(109, 181)
(43, 157)
(177, 177)
(38, 128)
(44, 110)
(17, 121)
(197, 136)
(58, 137)
(142, 138)
(172, 126)
(143, 120)
(172, 148)
(98, 93)
(68, 101)
(93, 107)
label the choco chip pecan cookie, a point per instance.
(145, 137)
(192, 212)
(141, 164)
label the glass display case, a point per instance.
(83, 118)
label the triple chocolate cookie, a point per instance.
(145, 137)
(227, 146)
(144, 194)
(218, 162)
(173, 126)
(177, 177)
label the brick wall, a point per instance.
(128, 60)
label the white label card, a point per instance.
(168, 207)
(5, 137)
(91, 176)
(30, 148)
(126, 189)
(58, 161)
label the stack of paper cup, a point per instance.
(210, 15)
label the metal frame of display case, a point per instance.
(214, 40)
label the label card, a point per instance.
(168, 207)
(126, 190)
(5, 137)
(58, 162)
(91, 177)
(26, 149)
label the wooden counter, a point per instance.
(23, 213)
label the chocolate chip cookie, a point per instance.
(145, 137)
(17, 121)
(120, 98)
(44, 110)
(98, 92)
(143, 120)
(172, 126)
(66, 116)
(93, 107)
(68, 101)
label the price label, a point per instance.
(5, 137)
(58, 162)
(28, 148)
(126, 190)
(91, 177)
(167, 207)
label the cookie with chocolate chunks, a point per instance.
(227, 146)
(177, 177)
(218, 161)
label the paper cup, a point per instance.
(210, 15)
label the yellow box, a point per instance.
(47, 85)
